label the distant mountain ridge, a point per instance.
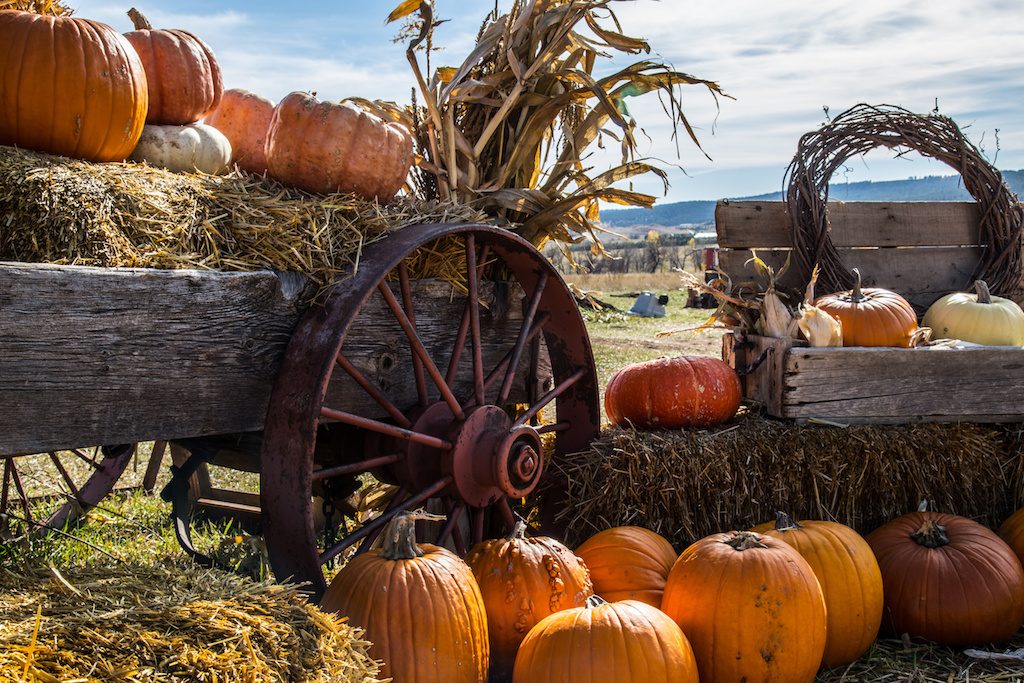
(928, 188)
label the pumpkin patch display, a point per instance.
(948, 579)
(185, 82)
(326, 147)
(524, 579)
(628, 563)
(670, 393)
(419, 604)
(850, 582)
(102, 102)
(244, 119)
(750, 606)
(979, 317)
(184, 149)
(624, 642)
(871, 316)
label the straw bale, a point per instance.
(690, 483)
(146, 623)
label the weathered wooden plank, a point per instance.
(95, 355)
(760, 362)
(745, 224)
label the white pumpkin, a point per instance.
(980, 318)
(184, 149)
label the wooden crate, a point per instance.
(923, 250)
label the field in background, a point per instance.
(628, 282)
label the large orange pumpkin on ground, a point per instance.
(326, 147)
(871, 316)
(420, 606)
(244, 118)
(1012, 531)
(601, 642)
(849, 577)
(750, 606)
(670, 393)
(948, 579)
(524, 579)
(185, 82)
(628, 563)
(69, 86)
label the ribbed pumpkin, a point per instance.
(871, 316)
(524, 579)
(628, 563)
(244, 118)
(980, 318)
(750, 607)
(185, 82)
(326, 147)
(850, 581)
(601, 642)
(1012, 531)
(69, 86)
(184, 149)
(669, 393)
(948, 579)
(420, 606)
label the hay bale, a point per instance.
(688, 484)
(142, 623)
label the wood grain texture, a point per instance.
(100, 355)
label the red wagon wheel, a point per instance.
(464, 440)
(75, 481)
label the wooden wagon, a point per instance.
(438, 388)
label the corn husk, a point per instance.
(817, 326)
(776, 320)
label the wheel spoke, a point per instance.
(524, 331)
(420, 350)
(5, 496)
(21, 493)
(550, 396)
(507, 516)
(555, 427)
(385, 428)
(91, 462)
(453, 518)
(357, 467)
(410, 313)
(500, 368)
(477, 516)
(460, 338)
(532, 383)
(64, 474)
(381, 520)
(375, 393)
(473, 285)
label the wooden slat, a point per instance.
(760, 362)
(745, 224)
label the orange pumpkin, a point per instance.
(420, 606)
(185, 82)
(628, 563)
(69, 86)
(850, 582)
(326, 147)
(244, 118)
(871, 316)
(750, 606)
(1012, 531)
(669, 393)
(948, 579)
(524, 579)
(624, 642)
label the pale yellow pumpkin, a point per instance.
(184, 149)
(979, 317)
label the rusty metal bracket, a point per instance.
(756, 363)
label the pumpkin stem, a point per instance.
(744, 540)
(855, 294)
(140, 20)
(595, 601)
(400, 535)
(931, 535)
(784, 522)
(984, 296)
(518, 531)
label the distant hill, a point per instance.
(929, 188)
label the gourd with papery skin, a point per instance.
(101, 100)
(185, 82)
(420, 606)
(871, 316)
(670, 393)
(244, 118)
(604, 642)
(948, 579)
(979, 317)
(524, 579)
(184, 149)
(850, 582)
(628, 563)
(750, 606)
(326, 147)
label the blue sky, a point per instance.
(782, 61)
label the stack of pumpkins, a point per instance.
(776, 603)
(77, 88)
